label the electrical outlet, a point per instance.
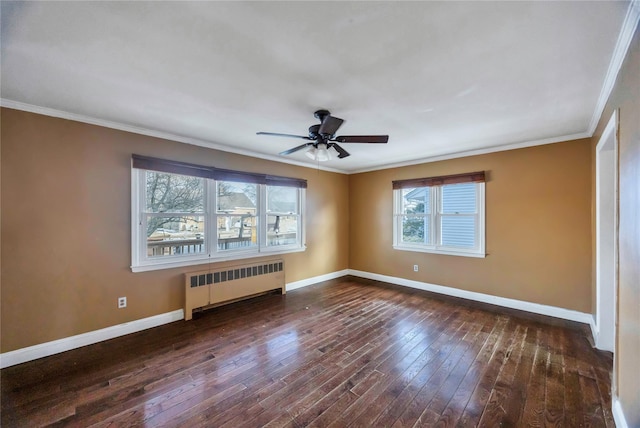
(415, 268)
(122, 302)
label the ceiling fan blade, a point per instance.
(295, 149)
(342, 153)
(276, 134)
(363, 139)
(330, 125)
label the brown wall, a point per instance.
(626, 97)
(538, 226)
(66, 233)
(65, 195)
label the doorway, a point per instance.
(607, 235)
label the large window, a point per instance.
(440, 215)
(186, 214)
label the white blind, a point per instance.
(458, 219)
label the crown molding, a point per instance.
(46, 111)
(619, 53)
(476, 152)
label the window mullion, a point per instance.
(397, 225)
(301, 212)
(262, 217)
(136, 216)
(211, 230)
(435, 215)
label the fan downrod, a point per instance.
(321, 114)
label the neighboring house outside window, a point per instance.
(204, 214)
(283, 216)
(442, 215)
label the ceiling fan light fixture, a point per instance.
(323, 154)
(311, 153)
(319, 153)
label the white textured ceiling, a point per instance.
(439, 77)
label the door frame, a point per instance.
(607, 237)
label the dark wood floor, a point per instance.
(348, 352)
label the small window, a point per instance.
(174, 215)
(236, 213)
(446, 219)
(283, 216)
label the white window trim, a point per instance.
(211, 255)
(300, 231)
(435, 215)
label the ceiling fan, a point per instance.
(322, 137)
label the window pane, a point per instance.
(415, 229)
(169, 236)
(458, 231)
(237, 231)
(459, 198)
(416, 200)
(236, 198)
(167, 193)
(282, 229)
(281, 199)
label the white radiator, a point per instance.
(213, 287)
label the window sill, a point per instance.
(439, 251)
(176, 263)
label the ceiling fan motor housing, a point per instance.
(313, 132)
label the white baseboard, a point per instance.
(594, 330)
(50, 348)
(618, 415)
(41, 350)
(68, 343)
(316, 279)
(597, 340)
(521, 305)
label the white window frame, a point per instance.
(238, 252)
(264, 215)
(435, 217)
(140, 262)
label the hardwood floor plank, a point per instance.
(444, 358)
(456, 369)
(554, 388)
(603, 380)
(533, 412)
(374, 401)
(370, 363)
(494, 412)
(346, 352)
(487, 372)
(517, 393)
(391, 368)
